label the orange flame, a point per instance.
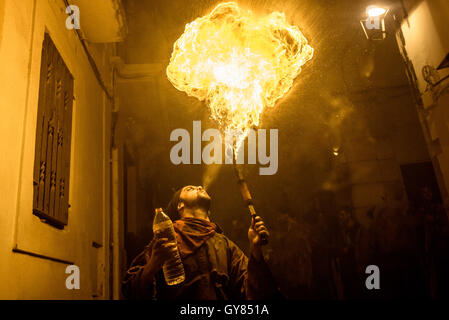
(238, 63)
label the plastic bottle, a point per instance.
(173, 267)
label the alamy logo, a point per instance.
(373, 280)
(73, 20)
(73, 280)
(212, 153)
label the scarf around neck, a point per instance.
(191, 233)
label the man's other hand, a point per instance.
(256, 230)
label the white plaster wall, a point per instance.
(23, 276)
(426, 34)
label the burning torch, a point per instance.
(247, 195)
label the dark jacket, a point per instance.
(217, 270)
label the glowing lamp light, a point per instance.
(374, 11)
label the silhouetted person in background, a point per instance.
(435, 248)
(215, 268)
(323, 284)
(348, 235)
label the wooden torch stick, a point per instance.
(247, 195)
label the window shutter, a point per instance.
(53, 138)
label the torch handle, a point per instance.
(263, 237)
(247, 195)
(249, 202)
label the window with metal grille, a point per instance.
(53, 135)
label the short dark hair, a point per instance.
(172, 207)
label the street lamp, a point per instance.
(374, 23)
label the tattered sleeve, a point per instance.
(135, 284)
(250, 279)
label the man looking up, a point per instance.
(215, 268)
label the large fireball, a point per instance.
(238, 63)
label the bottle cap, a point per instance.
(158, 210)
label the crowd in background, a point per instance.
(329, 251)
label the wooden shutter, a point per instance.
(53, 138)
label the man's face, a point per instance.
(195, 196)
